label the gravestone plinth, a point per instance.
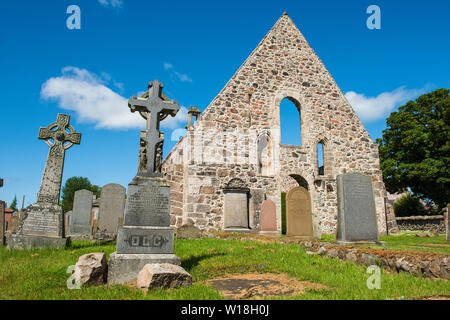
(41, 226)
(80, 220)
(146, 236)
(356, 209)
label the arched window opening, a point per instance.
(320, 162)
(290, 122)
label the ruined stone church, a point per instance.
(230, 169)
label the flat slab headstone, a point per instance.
(80, 220)
(236, 209)
(112, 205)
(268, 216)
(298, 213)
(356, 208)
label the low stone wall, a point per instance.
(422, 223)
(425, 264)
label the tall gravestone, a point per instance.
(42, 223)
(298, 213)
(80, 222)
(112, 206)
(2, 223)
(356, 208)
(146, 236)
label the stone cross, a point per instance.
(154, 109)
(193, 111)
(64, 136)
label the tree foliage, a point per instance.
(74, 184)
(409, 205)
(13, 205)
(415, 148)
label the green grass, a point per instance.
(406, 241)
(41, 274)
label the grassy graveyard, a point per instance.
(41, 274)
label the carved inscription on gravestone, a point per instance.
(356, 208)
(148, 205)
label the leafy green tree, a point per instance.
(13, 205)
(68, 191)
(415, 148)
(96, 190)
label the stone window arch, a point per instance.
(265, 154)
(324, 157)
(290, 121)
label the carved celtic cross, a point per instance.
(59, 136)
(153, 108)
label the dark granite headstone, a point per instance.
(356, 208)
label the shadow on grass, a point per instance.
(80, 244)
(193, 261)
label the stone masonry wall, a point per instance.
(282, 66)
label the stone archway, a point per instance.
(298, 213)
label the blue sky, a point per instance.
(193, 47)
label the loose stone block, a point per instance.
(356, 208)
(80, 222)
(163, 276)
(91, 268)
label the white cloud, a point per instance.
(111, 3)
(87, 94)
(375, 108)
(175, 74)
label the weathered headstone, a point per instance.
(268, 216)
(236, 206)
(356, 208)
(80, 222)
(42, 223)
(146, 236)
(2, 223)
(298, 213)
(112, 206)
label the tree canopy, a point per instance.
(72, 185)
(415, 148)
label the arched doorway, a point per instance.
(298, 213)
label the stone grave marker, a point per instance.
(42, 223)
(268, 216)
(356, 208)
(298, 213)
(112, 205)
(236, 206)
(146, 236)
(80, 222)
